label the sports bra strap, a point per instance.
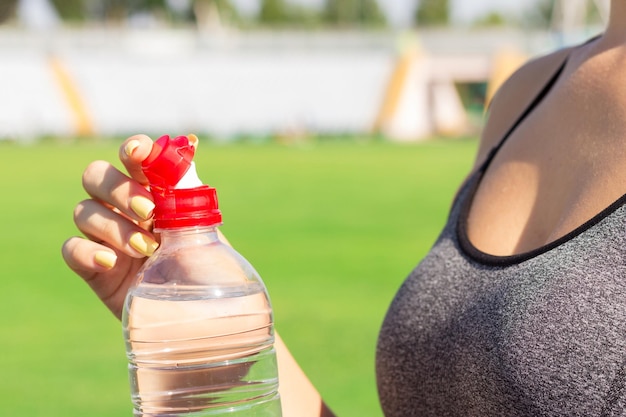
(533, 104)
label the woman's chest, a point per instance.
(545, 336)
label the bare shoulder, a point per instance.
(515, 95)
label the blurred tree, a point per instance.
(284, 13)
(70, 10)
(491, 19)
(433, 13)
(76, 10)
(227, 10)
(7, 10)
(211, 12)
(338, 11)
(158, 6)
(349, 12)
(115, 10)
(548, 14)
(303, 17)
(370, 13)
(273, 12)
(540, 16)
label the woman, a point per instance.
(520, 307)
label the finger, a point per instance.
(88, 258)
(132, 153)
(102, 224)
(105, 183)
(110, 283)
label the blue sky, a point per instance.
(401, 11)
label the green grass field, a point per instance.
(333, 227)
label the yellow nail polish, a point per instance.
(142, 206)
(143, 244)
(193, 140)
(105, 258)
(131, 146)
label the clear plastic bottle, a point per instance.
(198, 322)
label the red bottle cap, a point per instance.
(167, 163)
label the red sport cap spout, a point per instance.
(168, 161)
(167, 164)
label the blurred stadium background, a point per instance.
(404, 69)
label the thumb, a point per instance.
(132, 153)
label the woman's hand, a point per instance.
(116, 222)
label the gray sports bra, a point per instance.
(541, 333)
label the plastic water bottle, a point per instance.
(198, 322)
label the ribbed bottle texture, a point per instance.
(199, 332)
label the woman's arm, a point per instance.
(299, 397)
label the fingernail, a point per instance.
(143, 244)
(105, 258)
(193, 140)
(142, 206)
(131, 146)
